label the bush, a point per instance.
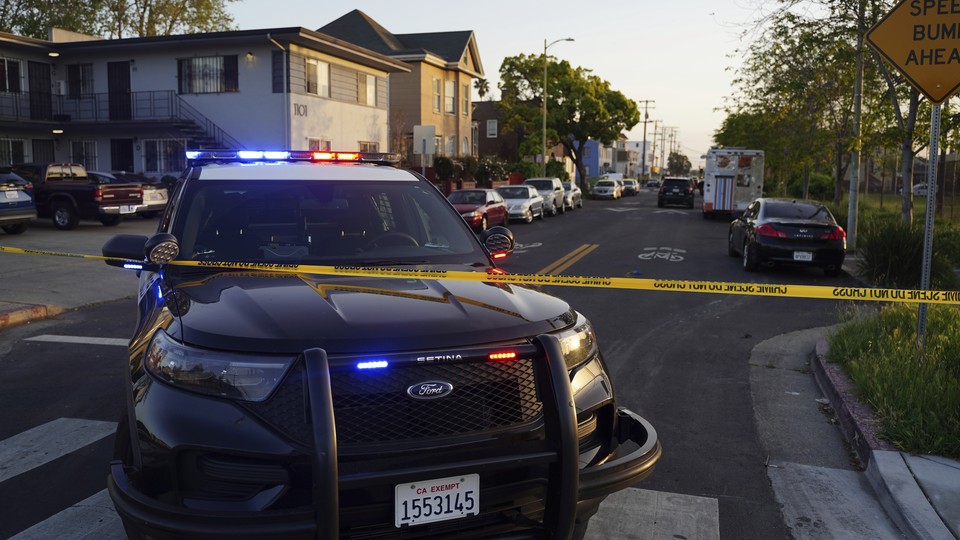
(490, 169)
(891, 256)
(821, 186)
(917, 399)
(527, 168)
(556, 168)
(444, 167)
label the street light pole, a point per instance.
(543, 159)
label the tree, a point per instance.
(482, 86)
(678, 164)
(580, 107)
(115, 18)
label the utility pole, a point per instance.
(643, 149)
(653, 150)
(663, 147)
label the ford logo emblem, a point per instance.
(430, 390)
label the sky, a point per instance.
(680, 54)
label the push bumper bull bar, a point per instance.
(567, 485)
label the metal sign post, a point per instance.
(928, 225)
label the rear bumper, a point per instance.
(570, 492)
(12, 217)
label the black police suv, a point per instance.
(267, 399)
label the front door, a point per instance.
(121, 155)
(118, 86)
(43, 151)
(41, 98)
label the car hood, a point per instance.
(261, 312)
(462, 208)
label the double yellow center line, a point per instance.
(569, 259)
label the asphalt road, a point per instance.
(678, 359)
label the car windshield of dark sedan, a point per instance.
(794, 210)
(312, 222)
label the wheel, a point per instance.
(65, 216)
(540, 215)
(17, 228)
(563, 208)
(110, 220)
(749, 260)
(690, 205)
(395, 238)
(731, 251)
(659, 203)
(580, 203)
(529, 216)
(483, 223)
(149, 215)
(553, 210)
(832, 271)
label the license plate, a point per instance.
(437, 500)
(802, 256)
(11, 194)
(127, 209)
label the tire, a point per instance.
(17, 228)
(540, 215)
(529, 217)
(149, 215)
(64, 216)
(110, 220)
(749, 260)
(690, 205)
(580, 203)
(832, 272)
(659, 203)
(731, 251)
(563, 207)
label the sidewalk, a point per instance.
(921, 494)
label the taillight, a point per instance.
(768, 230)
(98, 194)
(836, 234)
(28, 186)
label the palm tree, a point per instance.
(482, 86)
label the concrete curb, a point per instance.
(21, 315)
(889, 475)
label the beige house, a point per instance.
(436, 92)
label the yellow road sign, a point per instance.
(922, 39)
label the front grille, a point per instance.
(372, 406)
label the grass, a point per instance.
(916, 397)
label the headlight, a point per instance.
(579, 343)
(248, 377)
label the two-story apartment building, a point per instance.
(435, 92)
(137, 104)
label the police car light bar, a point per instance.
(250, 156)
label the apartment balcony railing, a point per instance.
(151, 106)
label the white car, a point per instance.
(606, 189)
(523, 202)
(920, 189)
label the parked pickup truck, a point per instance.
(65, 193)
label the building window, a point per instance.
(367, 146)
(465, 148)
(436, 95)
(438, 144)
(208, 75)
(11, 151)
(475, 135)
(451, 148)
(465, 98)
(318, 78)
(10, 75)
(492, 129)
(164, 155)
(318, 145)
(80, 80)
(367, 89)
(450, 97)
(84, 153)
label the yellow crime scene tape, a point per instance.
(640, 284)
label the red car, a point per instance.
(480, 208)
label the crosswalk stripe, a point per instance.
(47, 442)
(83, 340)
(91, 519)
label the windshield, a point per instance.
(468, 197)
(541, 185)
(311, 222)
(514, 192)
(796, 210)
(605, 183)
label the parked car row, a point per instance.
(534, 199)
(615, 188)
(67, 193)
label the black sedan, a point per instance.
(787, 231)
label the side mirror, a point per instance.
(161, 248)
(498, 241)
(125, 251)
